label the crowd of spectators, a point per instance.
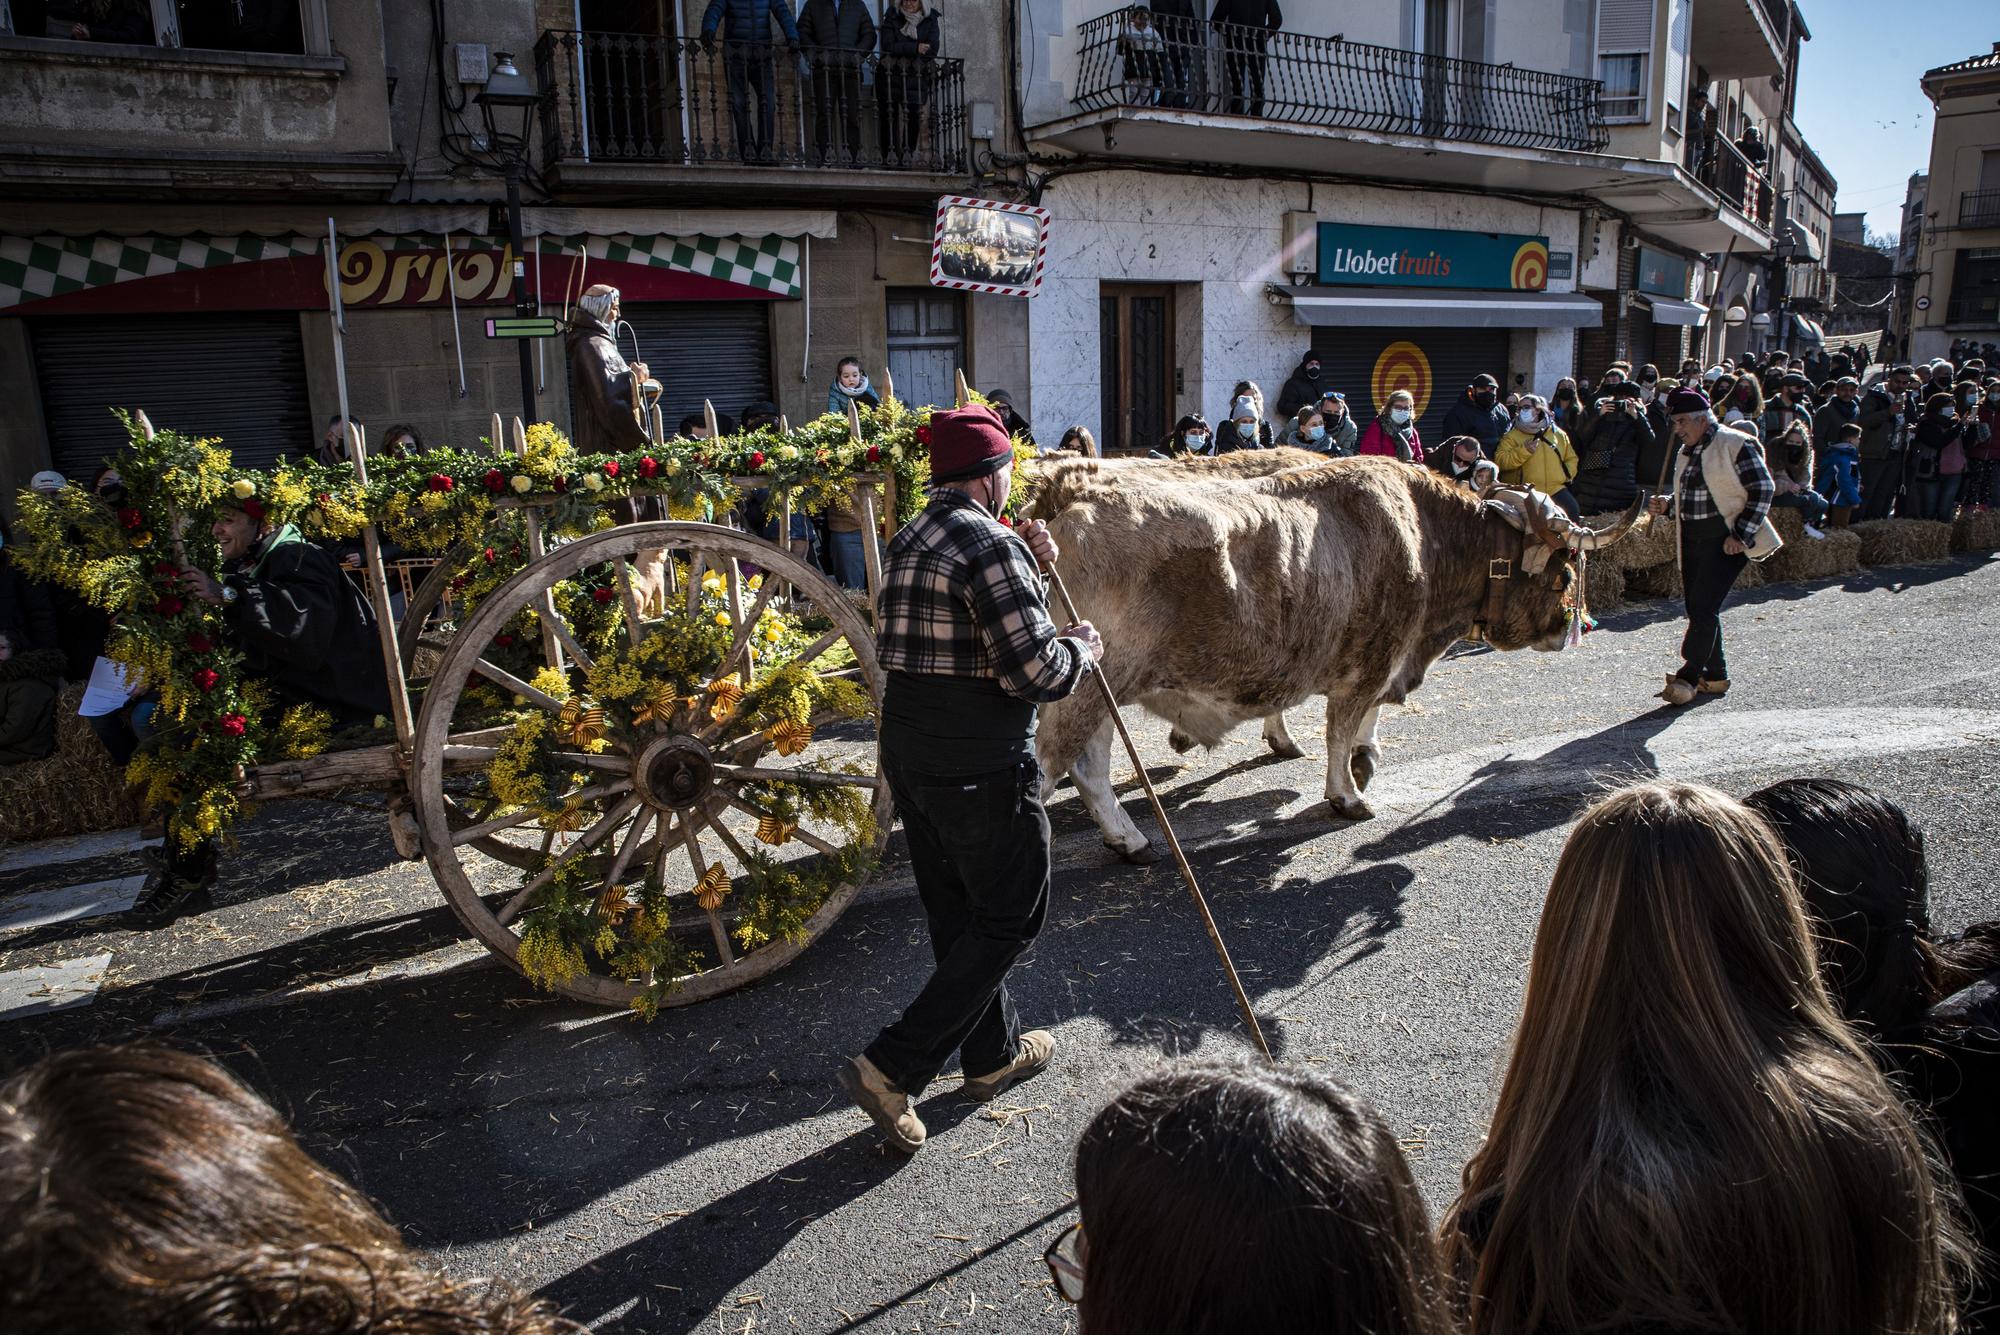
(1750, 1089)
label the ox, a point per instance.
(1225, 596)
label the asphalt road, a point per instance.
(702, 1173)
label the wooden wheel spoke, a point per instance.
(811, 652)
(815, 778)
(506, 680)
(800, 833)
(628, 848)
(526, 814)
(745, 628)
(567, 638)
(751, 742)
(721, 831)
(635, 625)
(694, 582)
(693, 842)
(485, 755)
(584, 843)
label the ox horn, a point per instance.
(964, 394)
(784, 425)
(708, 419)
(888, 385)
(1591, 539)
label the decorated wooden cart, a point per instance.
(638, 757)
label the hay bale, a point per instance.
(1976, 532)
(1650, 542)
(1838, 553)
(1606, 591)
(75, 791)
(1754, 576)
(1655, 581)
(1901, 542)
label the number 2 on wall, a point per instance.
(1152, 251)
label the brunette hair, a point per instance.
(1079, 438)
(144, 1189)
(1688, 1135)
(1257, 1198)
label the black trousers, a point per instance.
(749, 74)
(1881, 479)
(1243, 77)
(836, 112)
(979, 846)
(1707, 575)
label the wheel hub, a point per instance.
(674, 773)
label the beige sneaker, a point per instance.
(889, 1107)
(1679, 690)
(1038, 1046)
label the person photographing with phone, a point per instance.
(964, 636)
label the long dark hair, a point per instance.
(1251, 1198)
(145, 1189)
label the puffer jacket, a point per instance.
(836, 397)
(1485, 425)
(748, 20)
(1298, 390)
(1881, 434)
(1549, 468)
(1607, 472)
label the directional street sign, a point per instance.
(516, 326)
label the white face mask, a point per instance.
(1247, 430)
(1528, 418)
(1399, 415)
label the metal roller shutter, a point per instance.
(240, 376)
(719, 351)
(1433, 364)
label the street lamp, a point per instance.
(508, 101)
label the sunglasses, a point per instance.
(1064, 1259)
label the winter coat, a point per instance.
(1485, 425)
(1928, 442)
(1442, 458)
(836, 397)
(1607, 472)
(305, 628)
(1989, 448)
(28, 706)
(1263, 14)
(843, 34)
(1790, 456)
(1228, 439)
(1382, 438)
(1298, 390)
(1549, 468)
(748, 20)
(1839, 477)
(908, 76)
(1835, 414)
(27, 616)
(600, 392)
(1341, 437)
(1879, 429)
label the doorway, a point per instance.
(629, 77)
(927, 344)
(1135, 347)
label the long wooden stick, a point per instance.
(1173, 843)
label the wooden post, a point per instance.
(497, 441)
(871, 550)
(377, 580)
(545, 603)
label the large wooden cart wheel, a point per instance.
(668, 801)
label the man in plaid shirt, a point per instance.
(1722, 496)
(964, 633)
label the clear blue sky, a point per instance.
(1859, 105)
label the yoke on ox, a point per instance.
(1225, 597)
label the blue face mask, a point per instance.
(1196, 440)
(1247, 430)
(1315, 433)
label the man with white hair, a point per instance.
(604, 413)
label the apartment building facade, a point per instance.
(1955, 280)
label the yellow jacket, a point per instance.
(1549, 469)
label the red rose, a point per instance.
(490, 557)
(234, 724)
(874, 454)
(649, 466)
(130, 517)
(254, 508)
(198, 643)
(166, 570)
(457, 583)
(602, 595)
(503, 640)
(923, 435)
(611, 468)
(495, 480)
(206, 678)
(441, 482)
(324, 498)
(756, 459)
(168, 605)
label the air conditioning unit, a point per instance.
(1301, 246)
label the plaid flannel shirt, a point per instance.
(1751, 471)
(961, 597)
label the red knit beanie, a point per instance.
(968, 442)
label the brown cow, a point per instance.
(1231, 598)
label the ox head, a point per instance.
(1531, 565)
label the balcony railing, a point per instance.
(1721, 166)
(1979, 208)
(1229, 69)
(626, 97)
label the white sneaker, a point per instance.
(1812, 532)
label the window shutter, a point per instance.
(1679, 21)
(1624, 27)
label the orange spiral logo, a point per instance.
(1530, 270)
(1401, 366)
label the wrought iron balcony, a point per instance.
(1230, 69)
(631, 98)
(1979, 208)
(1721, 166)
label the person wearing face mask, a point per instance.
(1844, 407)
(1341, 433)
(1457, 458)
(1937, 459)
(1885, 417)
(1393, 433)
(1479, 414)
(1301, 388)
(1982, 459)
(1307, 431)
(1536, 452)
(1564, 408)
(1191, 437)
(1607, 475)
(1243, 426)
(1746, 401)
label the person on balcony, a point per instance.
(1701, 137)
(1179, 25)
(840, 34)
(746, 60)
(1144, 52)
(1751, 146)
(910, 42)
(1246, 27)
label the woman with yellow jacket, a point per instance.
(1536, 452)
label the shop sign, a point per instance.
(1561, 263)
(1431, 257)
(1661, 275)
